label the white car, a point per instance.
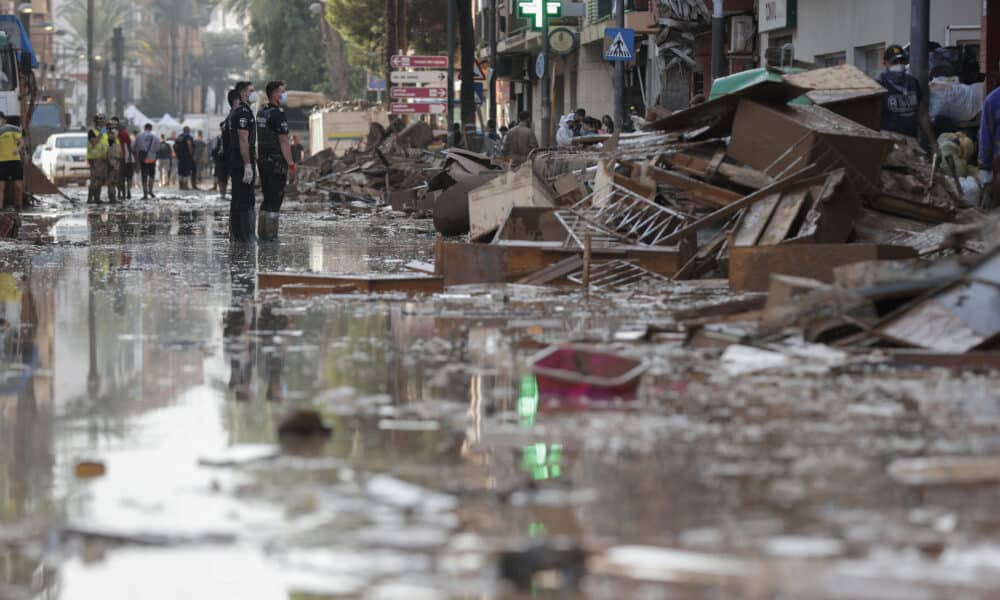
(64, 158)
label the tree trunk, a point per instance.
(173, 62)
(390, 35)
(335, 60)
(467, 37)
(404, 25)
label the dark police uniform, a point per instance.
(241, 222)
(271, 123)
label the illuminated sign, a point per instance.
(536, 11)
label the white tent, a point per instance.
(168, 125)
(136, 116)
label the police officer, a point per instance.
(97, 157)
(223, 153)
(275, 160)
(243, 147)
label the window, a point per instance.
(71, 141)
(780, 50)
(869, 59)
(47, 115)
(834, 59)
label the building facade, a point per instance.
(833, 32)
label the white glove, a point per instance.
(985, 176)
(248, 174)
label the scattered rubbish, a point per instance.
(578, 372)
(555, 565)
(239, 455)
(946, 470)
(89, 470)
(741, 360)
(650, 563)
(303, 423)
(308, 284)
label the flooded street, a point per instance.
(145, 378)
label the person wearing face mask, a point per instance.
(904, 107)
(275, 161)
(243, 141)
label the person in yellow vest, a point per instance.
(97, 157)
(11, 162)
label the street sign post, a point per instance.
(400, 108)
(435, 93)
(419, 62)
(419, 77)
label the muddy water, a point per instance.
(138, 339)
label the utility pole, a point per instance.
(451, 65)
(493, 61)
(91, 75)
(106, 85)
(118, 55)
(920, 30)
(718, 39)
(546, 82)
(619, 71)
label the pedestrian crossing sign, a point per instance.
(619, 44)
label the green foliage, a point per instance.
(223, 62)
(362, 23)
(108, 14)
(158, 100)
(289, 37)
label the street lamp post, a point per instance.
(91, 74)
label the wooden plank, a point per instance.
(553, 272)
(750, 268)
(784, 218)
(371, 284)
(754, 221)
(419, 266)
(727, 211)
(702, 193)
(700, 167)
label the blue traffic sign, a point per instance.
(479, 91)
(619, 44)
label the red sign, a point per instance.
(419, 62)
(437, 93)
(399, 108)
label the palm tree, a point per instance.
(224, 57)
(180, 16)
(108, 14)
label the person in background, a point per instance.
(115, 158)
(609, 124)
(200, 159)
(97, 157)
(184, 151)
(164, 161)
(147, 148)
(520, 141)
(298, 150)
(503, 134)
(11, 163)
(223, 151)
(565, 133)
(989, 148)
(904, 109)
(128, 164)
(455, 135)
(491, 141)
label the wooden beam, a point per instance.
(699, 191)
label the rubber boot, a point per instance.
(267, 226)
(182, 183)
(241, 227)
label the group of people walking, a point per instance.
(114, 157)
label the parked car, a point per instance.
(64, 158)
(36, 156)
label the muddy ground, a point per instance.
(146, 348)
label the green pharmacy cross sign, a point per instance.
(538, 10)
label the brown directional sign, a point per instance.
(419, 62)
(434, 93)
